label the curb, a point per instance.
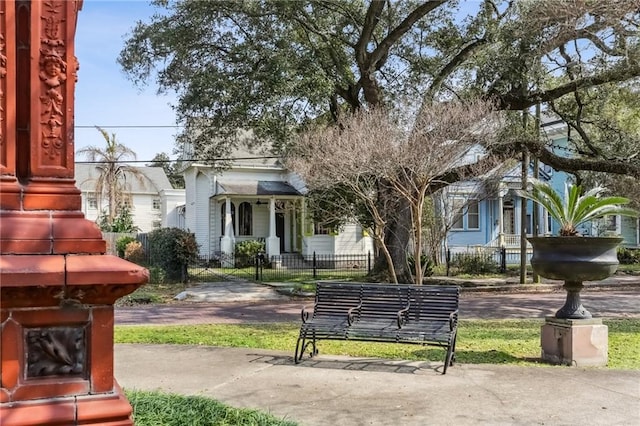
(469, 286)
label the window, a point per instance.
(611, 223)
(246, 219)
(466, 214)
(223, 213)
(458, 214)
(473, 215)
(156, 204)
(92, 202)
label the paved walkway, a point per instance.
(334, 390)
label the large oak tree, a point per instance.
(274, 66)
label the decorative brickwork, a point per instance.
(57, 287)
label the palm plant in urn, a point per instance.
(570, 256)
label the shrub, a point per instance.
(627, 256)
(425, 261)
(156, 275)
(172, 249)
(474, 263)
(246, 251)
(121, 244)
(134, 252)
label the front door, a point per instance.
(280, 230)
(509, 226)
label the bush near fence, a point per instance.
(473, 263)
(628, 256)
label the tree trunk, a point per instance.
(398, 232)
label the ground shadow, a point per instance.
(356, 364)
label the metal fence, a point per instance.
(485, 261)
(282, 267)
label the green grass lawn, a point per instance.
(156, 408)
(515, 342)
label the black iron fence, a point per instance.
(482, 261)
(283, 267)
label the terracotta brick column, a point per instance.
(57, 287)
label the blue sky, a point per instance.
(104, 96)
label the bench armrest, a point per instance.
(453, 320)
(304, 314)
(402, 315)
(351, 313)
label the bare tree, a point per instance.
(385, 164)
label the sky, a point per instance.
(104, 95)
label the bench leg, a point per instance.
(450, 354)
(301, 347)
(453, 354)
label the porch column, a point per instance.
(306, 241)
(273, 242)
(227, 241)
(294, 226)
(501, 220)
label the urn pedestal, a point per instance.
(572, 336)
(578, 343)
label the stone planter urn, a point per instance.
(574, 260)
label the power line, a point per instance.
(181, 160)
(134, 126)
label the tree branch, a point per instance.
(418, 13)
(451, 66)
(515, 101)
(370, 21)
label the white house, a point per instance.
(258, 199)
(154, 203)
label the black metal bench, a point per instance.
(424, 315)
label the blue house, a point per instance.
(488, 215)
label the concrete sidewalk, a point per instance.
(332, 390)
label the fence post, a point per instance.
(368, 262)
(503, 259)
(257, 260)
(315, 272)
(259, 265)
(448, 260)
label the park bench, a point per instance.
(395, 313)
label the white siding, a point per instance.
(145, 216)
(172, 200)
(202, 214)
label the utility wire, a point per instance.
(134, 126)
(180, 160)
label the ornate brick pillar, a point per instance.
(57, 287)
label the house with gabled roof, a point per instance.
(152, 201)
(256, 198)
(489, 216)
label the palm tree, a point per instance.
(111, 183)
